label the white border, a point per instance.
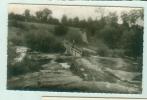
(36, 95)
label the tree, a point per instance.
(46, 13)
(83, 23)
(64, 20)
(110, 36)
(27, 14)
(130, 18)
(11, 16)
(74, 35)
(100, 11)
(39, 15)
(76, 21)
(125, 18)
(70, 22)
(112, 19)
(135, 15)
(52, 20)
(91, 26)
(132, 41)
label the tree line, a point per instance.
(127, 35)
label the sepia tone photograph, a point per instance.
(65, 48)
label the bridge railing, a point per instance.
(72, 48)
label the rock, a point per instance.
(65, 65)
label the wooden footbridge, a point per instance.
(72, 49)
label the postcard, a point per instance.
(75, 49)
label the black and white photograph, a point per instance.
(73, 48)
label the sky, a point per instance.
(83, 12)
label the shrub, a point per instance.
(32, 26)
(23, 67)
(43, 41)
(60, 30)
(18, 24)
(74, 34)
(11, 51)
(16, 40)
(103, 52)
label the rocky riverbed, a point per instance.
(60, 72)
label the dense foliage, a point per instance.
(127, 35)
(60, 30)
(43, 41)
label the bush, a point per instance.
(75, 34)
(103, 52)
(23, 67)
(14, 69)
(109, 35)
(18, 24)
(11, 51)
(43, 41)
(16, 40)
(60, 30)
(32, 26)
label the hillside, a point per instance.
(19, 32)
(20, 28)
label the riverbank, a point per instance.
(59, 72)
